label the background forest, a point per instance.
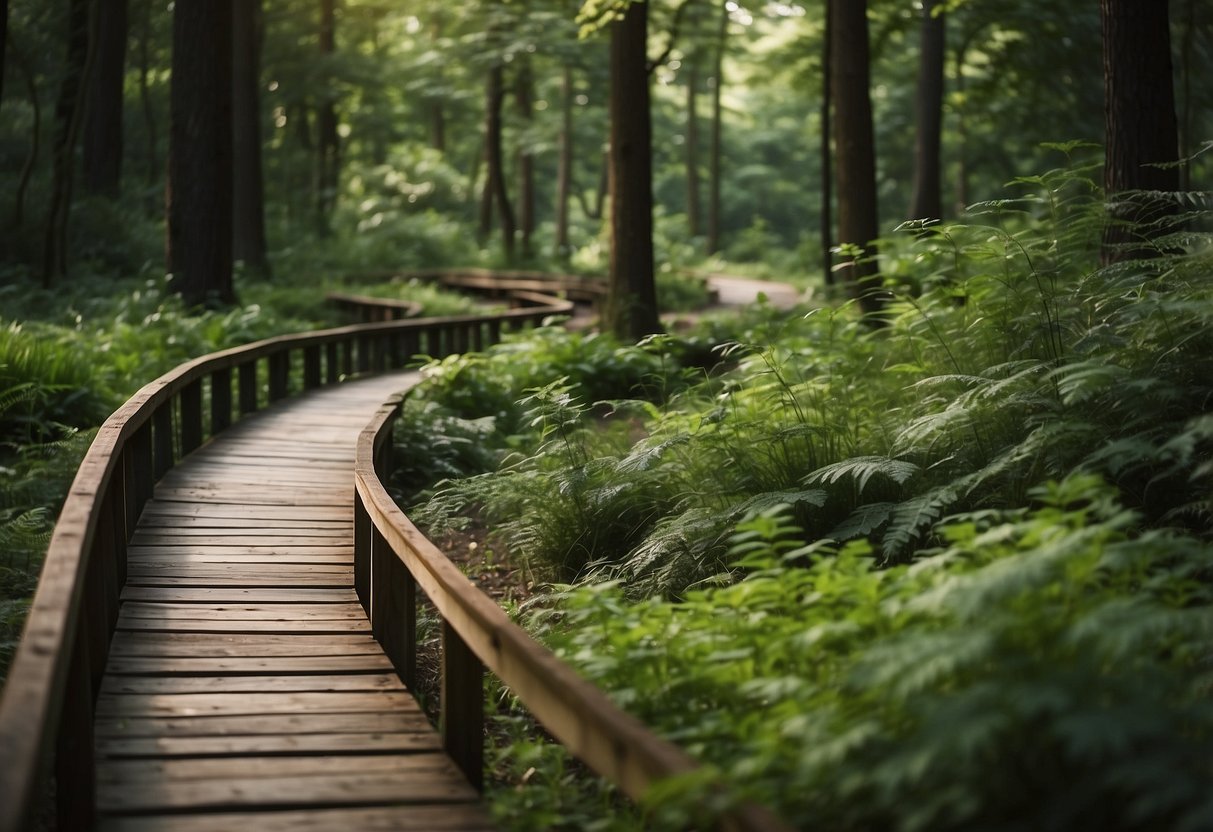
(951, 572)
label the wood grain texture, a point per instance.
(243, 675)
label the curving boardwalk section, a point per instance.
(243, 686)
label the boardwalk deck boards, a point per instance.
(243, 686)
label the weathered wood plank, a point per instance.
(251, 582)
(449, 818)
(345, 550)
(236, 595)
(246, 612)
(158, 510)
(251, 666)
(379, 742)
(285, 539)
(257, 768)
(286, 792)
(182, 625)
(116, 685)
(264, 724)
(210, 645)
(262, 702)
(215, 559)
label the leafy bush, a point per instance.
(1045, 669)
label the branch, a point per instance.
(669, 46)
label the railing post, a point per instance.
(462, 719)
(364, 353)
(311, 366)
(347, 356)
(380, 576)
(75, 783)
(362, 553)
(221, 400)
(400, 611)
(142, 471)
(162, 438)
(494, 331)
(191, 416)
(248, 387)
(412, 344)
(280, 368)
(332, 370)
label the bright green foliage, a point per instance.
(1044, 669)
(953, 574)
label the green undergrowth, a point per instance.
(69, 357)
(951, 572)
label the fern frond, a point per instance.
(862, 521)
(862, 469)
(911, 517)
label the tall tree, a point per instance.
(496, 190)
(69, 110)
(200, 153)
(630, 310)
(564, 163)
(3, 42)
(926, 203)
(153, 171)
(716, 149)
(524, 98)
(1140, 125)
(103, 115)
(825, 156)
(328, 142)
(855, 151)
(694, 223)
(248, 203)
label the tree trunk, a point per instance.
(716, 148)
(1140, 126)
(153, 172)
(103, 119)
(1185, 74)
(485, 224)
(927, 201)
(631, 305)
(248, 196)
(962, 134)
(494, 159)
(854, 146)
(69, 111)
(827, 164)
(437, 114)
(27, 170)
(200, 154)
(694, 222)
(523, 97)
(328, 143)
(564, 165)
(3, 42)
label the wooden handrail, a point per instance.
(75, 607)
(477, 634)
(370, 309)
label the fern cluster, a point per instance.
(1044, 669)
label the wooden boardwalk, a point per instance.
(243, 686)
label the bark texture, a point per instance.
(855, 151)
(631, 306)
(103, 119)
(1140, 126)
(200, 154)
(248, 199)
(69, 111)
(926, 202)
